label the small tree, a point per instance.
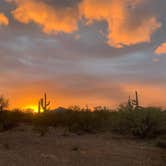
(3, 103)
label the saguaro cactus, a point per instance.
(129, 104)
(44, 104)
(136, 99)
(135, 102)
(39, 107)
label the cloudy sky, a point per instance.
(84, 52)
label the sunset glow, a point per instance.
(88, 52)
(34, 108)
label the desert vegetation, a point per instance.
(146, 123)
(128, 119)
(128, 135)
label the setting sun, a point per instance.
(33, 108)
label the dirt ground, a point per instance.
(24, 147)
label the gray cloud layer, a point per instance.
(80, 64)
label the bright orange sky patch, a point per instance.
(3, 20)
(161, 49)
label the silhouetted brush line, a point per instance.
(146, 123)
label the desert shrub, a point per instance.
(74, 121)
(119, 122)
(6, 122)
(11, 119)
(144, 123)
(161, 143)
(83, 121)
(149, 122)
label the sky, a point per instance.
(83, 52)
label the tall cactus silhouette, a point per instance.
(39, 107)
(43, 104)
(129, 104)
(135, 102)
(136, 99)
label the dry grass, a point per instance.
(23, 146)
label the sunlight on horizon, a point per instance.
(94, 53)
(33, 108)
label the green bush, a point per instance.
(11, 119)
(144, 123)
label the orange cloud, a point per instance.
(161, 49)
(118, 15)
(3, 20)
(51, 19)
(125, 27)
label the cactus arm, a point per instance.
(136, 98)
(39, 107)
(43, 103)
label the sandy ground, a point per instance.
(24, 147)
